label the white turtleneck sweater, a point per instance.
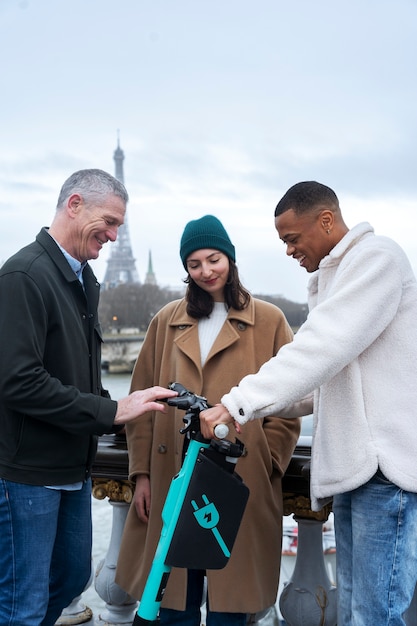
(209, 328)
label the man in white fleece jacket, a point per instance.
(355, 359)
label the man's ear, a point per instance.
(74, 204)
(327, 220)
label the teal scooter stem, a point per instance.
(192, 508)
(159, 573)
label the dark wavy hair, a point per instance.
(200, 303)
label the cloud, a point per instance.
(221, 107)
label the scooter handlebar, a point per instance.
(192, 403)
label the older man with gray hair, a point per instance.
(52, 403)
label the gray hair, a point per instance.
(91, 184)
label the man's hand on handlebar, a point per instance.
(141, 401)
(214, 416)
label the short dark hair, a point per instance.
(305, 196)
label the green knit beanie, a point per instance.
(207, 232)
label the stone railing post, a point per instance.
(309, 598)
(120, 606)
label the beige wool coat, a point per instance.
(171, 352)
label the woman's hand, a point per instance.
(142, 497)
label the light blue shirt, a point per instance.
(75, 264)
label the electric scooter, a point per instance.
(203, 508)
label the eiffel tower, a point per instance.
(121, 267)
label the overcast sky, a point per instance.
(221, 105)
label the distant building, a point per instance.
(121, 266)
(150, 278)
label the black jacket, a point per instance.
(52, 404)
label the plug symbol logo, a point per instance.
(208, 517)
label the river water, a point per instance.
(117, 384)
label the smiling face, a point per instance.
(209, 269)
(92, 225)
(306, 235)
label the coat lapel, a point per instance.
(188, 341)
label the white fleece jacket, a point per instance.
(357, 352)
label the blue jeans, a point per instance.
(376, 540)
(192, 615)
(45, 551)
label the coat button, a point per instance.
(241, 326)
(162, 449)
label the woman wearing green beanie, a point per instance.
(208, 341)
